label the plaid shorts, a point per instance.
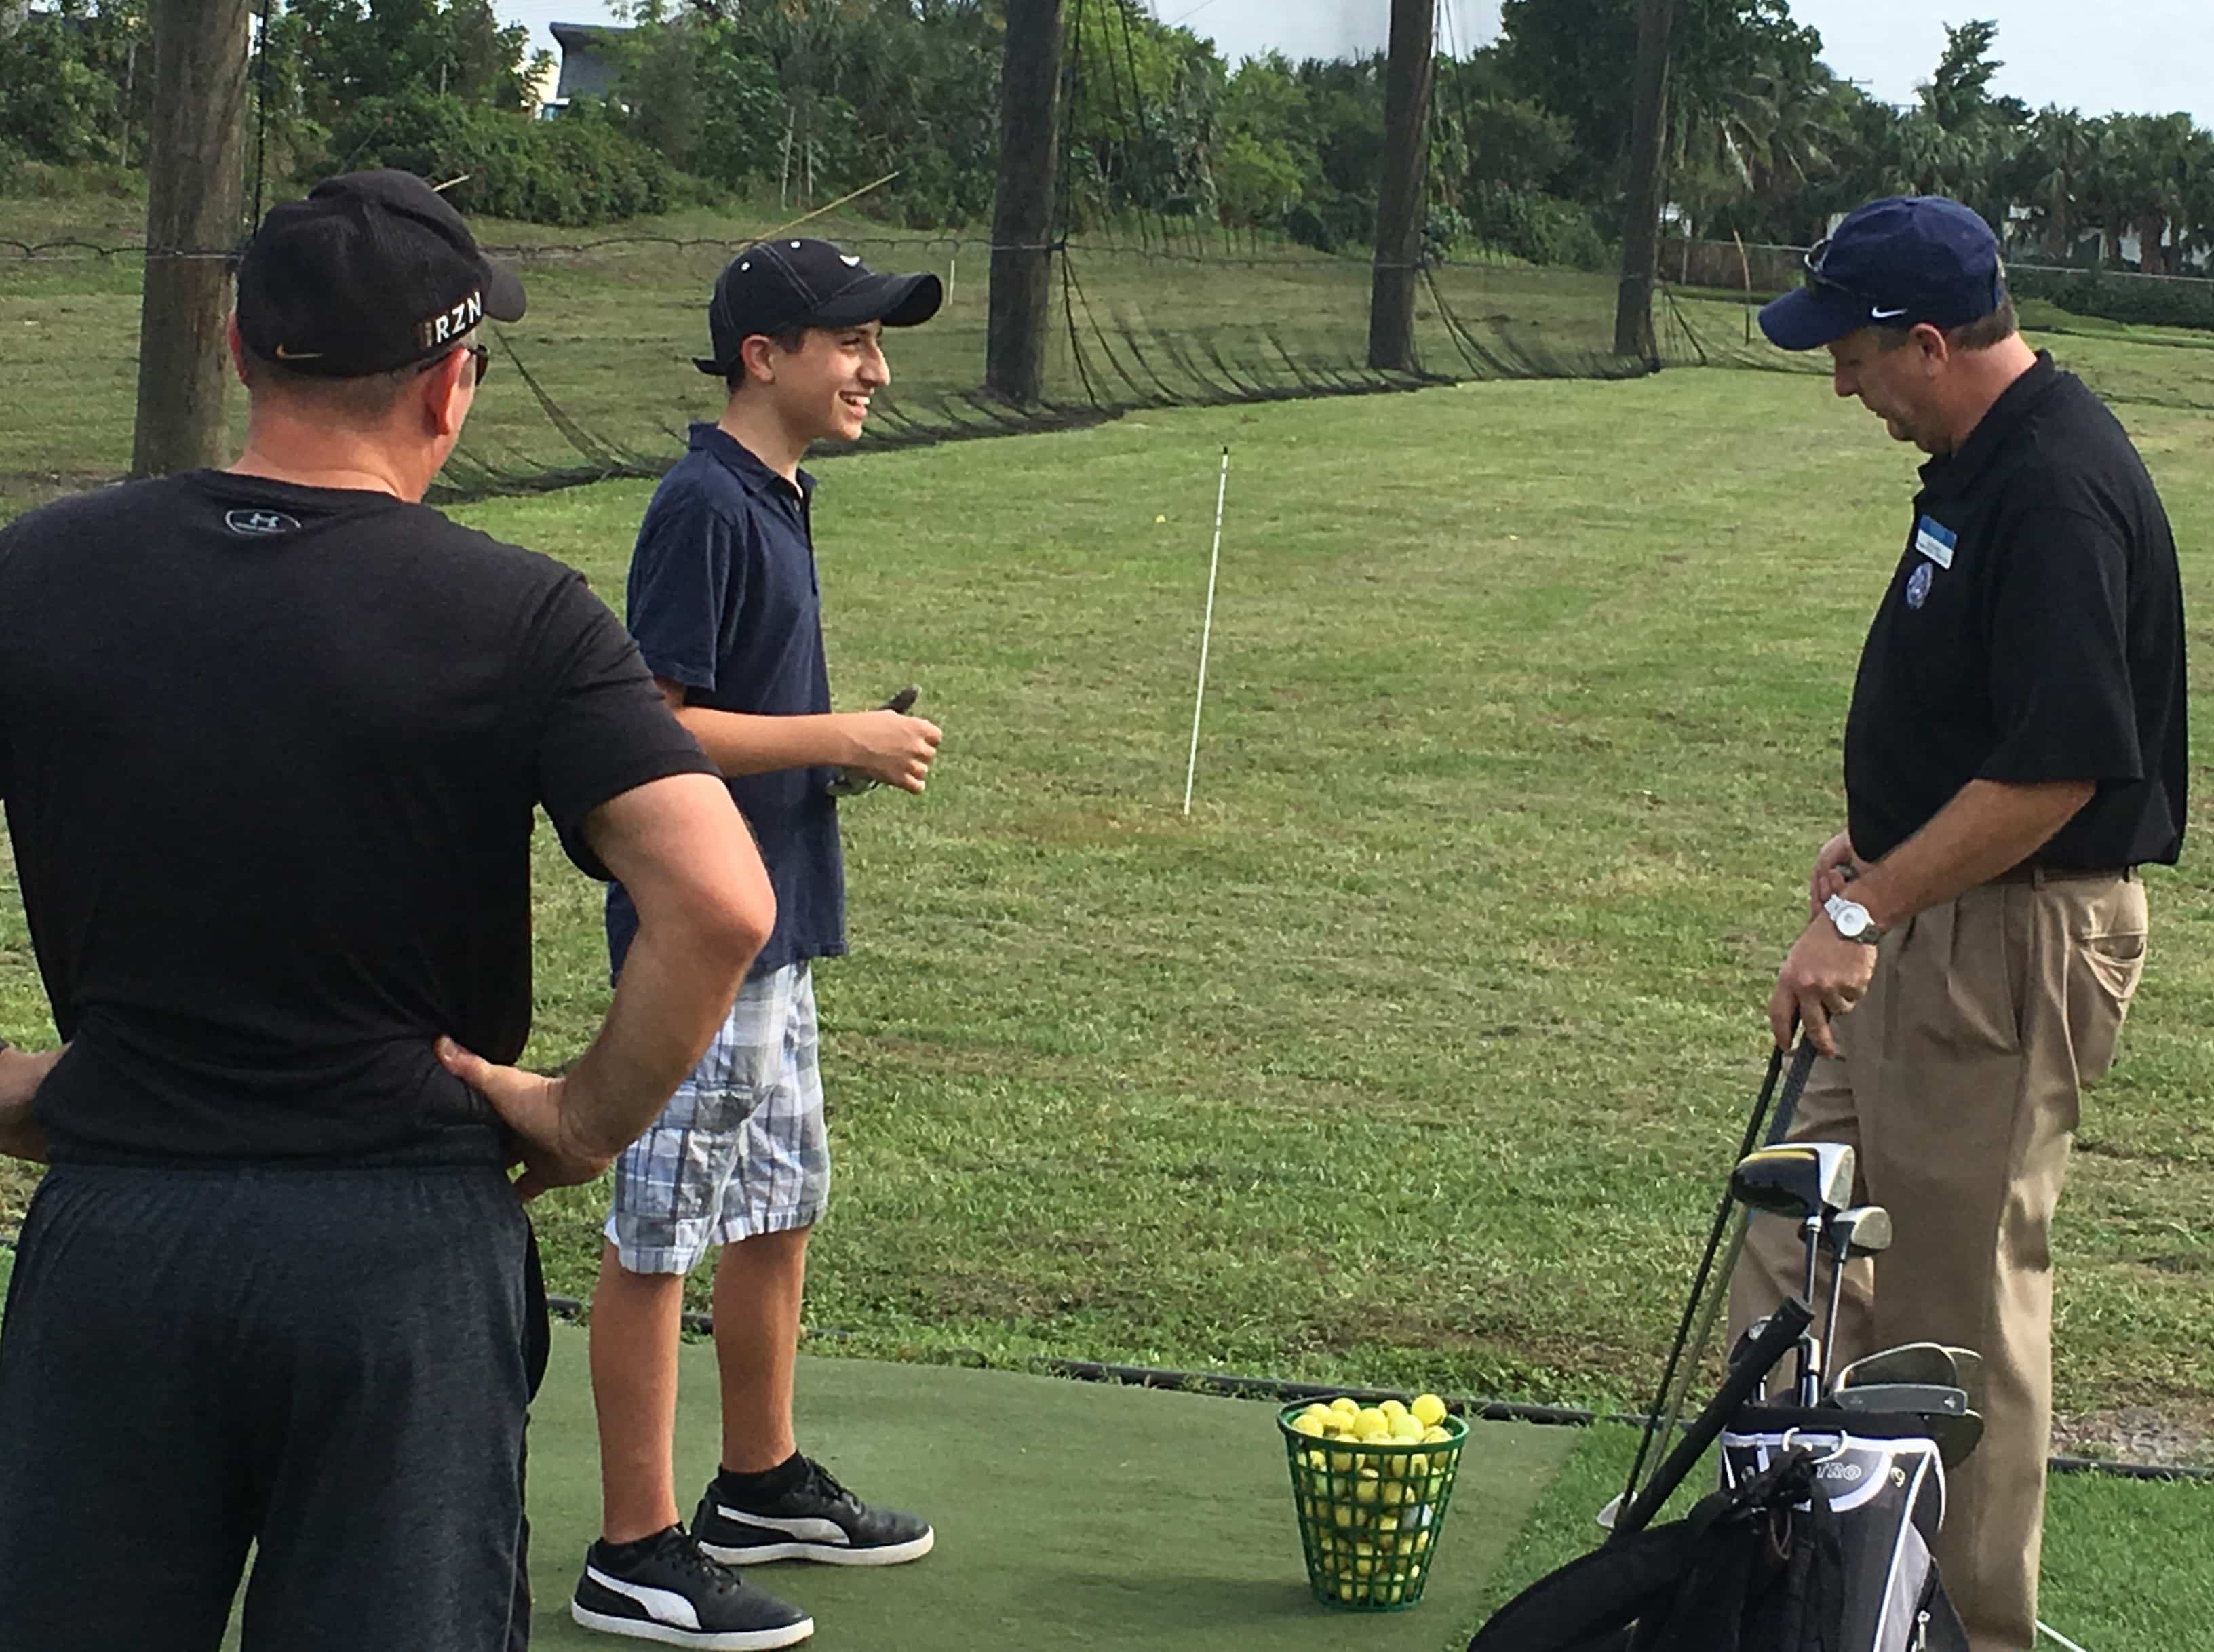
(740, 1150)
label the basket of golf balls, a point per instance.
(1370, 1484)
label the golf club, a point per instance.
(1785, 1326)
(1812, 1181)
(1954, 1433)
(1913, 1361)
(1968, 1365)
(844, 782)
(1909, 1398)
(1719, 1259)
(1864, 1230)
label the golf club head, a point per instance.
(1902, 1399)
(1796, 1179)
(1913, 1361)
(1968, 1365)
(843, 783)
(1955, 1429)
(1863, 1230)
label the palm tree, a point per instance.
(2058, 154)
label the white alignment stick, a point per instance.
(1206, 629)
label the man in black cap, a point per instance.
(723, 604)
(271, 742)
(2015, 752)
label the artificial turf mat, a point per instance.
(1068, 1513)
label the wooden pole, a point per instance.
(1410, 68)
(1641, 222)
(195, 152)
(1022, 217)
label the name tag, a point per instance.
(1935, 541)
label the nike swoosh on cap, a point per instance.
(1885, 315)
(284, 355)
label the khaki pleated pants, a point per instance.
(1958, 1083)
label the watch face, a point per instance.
(1850, 916)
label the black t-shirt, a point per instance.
(2033, 633)
(269, 756)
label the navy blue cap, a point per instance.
(1893, 263)
(774, 285)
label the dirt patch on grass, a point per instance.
(2179, 1436)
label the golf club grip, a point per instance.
(1785, 1326)
(1795, 1082)
(902, 702)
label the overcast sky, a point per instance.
(2139, 56)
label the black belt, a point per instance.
(2037, 875)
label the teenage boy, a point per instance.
(724, 603)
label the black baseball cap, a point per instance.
(775, 285)
(1893, 263)
(373, 271)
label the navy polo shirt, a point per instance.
(723, 599)
(2032, 632)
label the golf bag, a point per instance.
(1882, 1479)
(1756, 1567)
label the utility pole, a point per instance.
(1021, 215)
(1409, 70)
(1641, 222)
(195, 153)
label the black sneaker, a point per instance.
(817, 1520)
(678, 1596)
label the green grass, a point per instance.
(1414, 1054)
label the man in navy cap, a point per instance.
(725, 605)
(272, 741)
(2015, 751)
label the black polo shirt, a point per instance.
(723, 599)
(2032, 632)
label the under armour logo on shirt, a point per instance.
(259, 521)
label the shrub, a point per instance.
(2141, 300)
(574, 170)
(1329, 219)
(1540, 228)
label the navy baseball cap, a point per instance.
(1893, 263)
(374, 271)
(776, 285)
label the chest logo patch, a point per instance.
(1918, 583)
(1935, 541)
(259, 521)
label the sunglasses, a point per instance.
(481, 354)
(1816, 256)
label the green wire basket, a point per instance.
(1370, 1515)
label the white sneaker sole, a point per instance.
(729, 1640)
(829, 1554)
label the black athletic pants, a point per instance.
(331, 1364)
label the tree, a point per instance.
(76, 81)
(2057, 161)
(346, 50)
(1575, 59)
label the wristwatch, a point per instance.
(1852, 920)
